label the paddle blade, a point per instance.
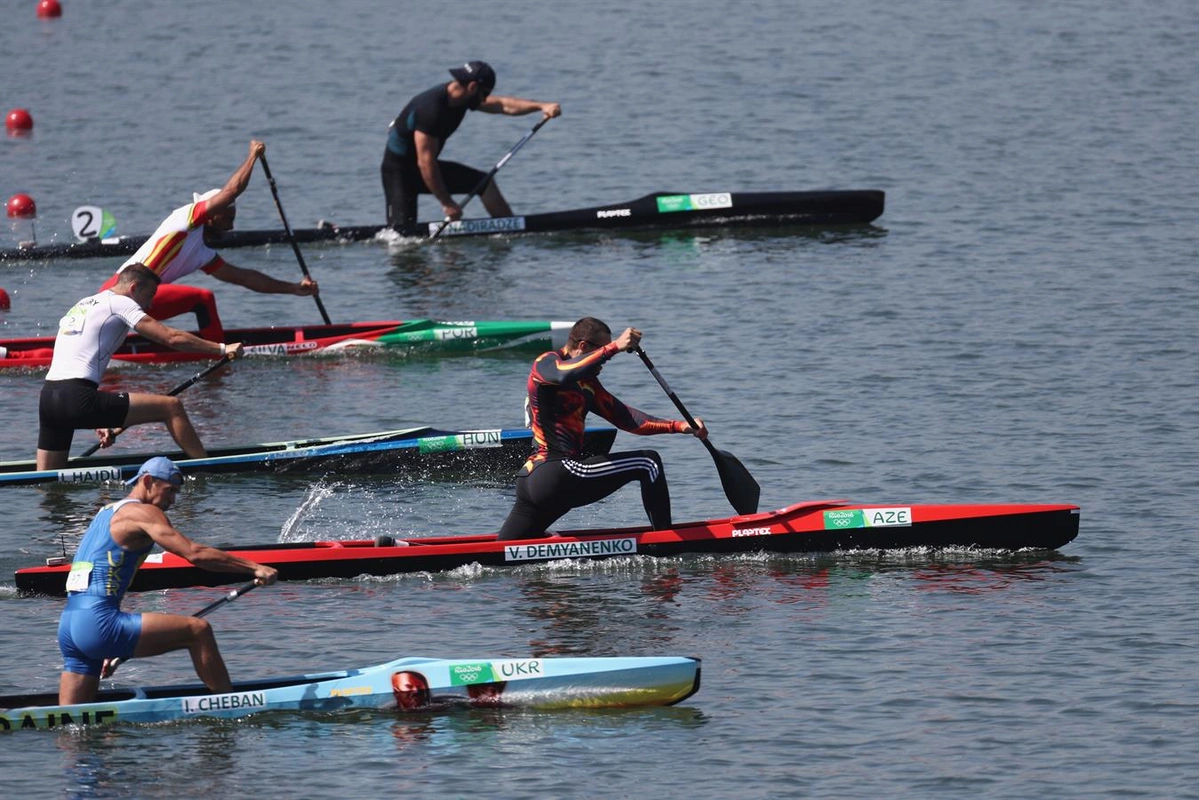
(739, 486)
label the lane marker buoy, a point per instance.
(18, 122)
(49, 9)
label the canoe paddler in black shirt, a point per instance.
(563, 388)
(416, 137)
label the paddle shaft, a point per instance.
(295, 246)
(199, 376)
(499, 164)
(675, 398)
(203, 612)
(739, 486)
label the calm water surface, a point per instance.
(1018, 326)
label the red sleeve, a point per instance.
(198, 215)
(212, 266)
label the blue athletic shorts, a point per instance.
(92, 629)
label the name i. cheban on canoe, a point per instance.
(625, 545)
(223, 702)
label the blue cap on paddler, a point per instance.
(159, 467)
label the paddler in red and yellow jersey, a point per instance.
(93, 630)
(563, 388)
(181, 246)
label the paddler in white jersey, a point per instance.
(87, 337)
(180, 247)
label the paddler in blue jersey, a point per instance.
(93, 630)
(416, 137)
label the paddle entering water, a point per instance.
(739, 486)
(111, 665)
(479, 186)
(199, 376)
(291, 236)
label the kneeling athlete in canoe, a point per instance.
(181, 246)
(94, 630)
(563, 388)
(88, 335)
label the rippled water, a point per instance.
(1018, 326)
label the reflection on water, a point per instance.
(448, 732)
(588, 610)
(146, 760)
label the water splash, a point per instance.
(317, 493)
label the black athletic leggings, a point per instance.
(402, 183)
(555, 487)
(74, 404)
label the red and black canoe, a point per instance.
(818, 526)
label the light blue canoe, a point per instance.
(419, 685)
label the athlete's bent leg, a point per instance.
(655, 494)
(164, 408)
(52, 459)
(173, 300)
(74, 688)
(599, 476)
(531, 514)
(163, 633)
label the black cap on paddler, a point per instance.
(479, 71)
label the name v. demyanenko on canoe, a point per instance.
(625, 545)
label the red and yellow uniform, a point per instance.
(176, 250)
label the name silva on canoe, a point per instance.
(625, 545)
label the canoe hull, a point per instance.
(819, 526)
(411, 338)
(433, 453)
(658, 211)
(527, 683)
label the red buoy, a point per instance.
(21, 206)
(5, 302)
(48, 9)
(18, 121)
